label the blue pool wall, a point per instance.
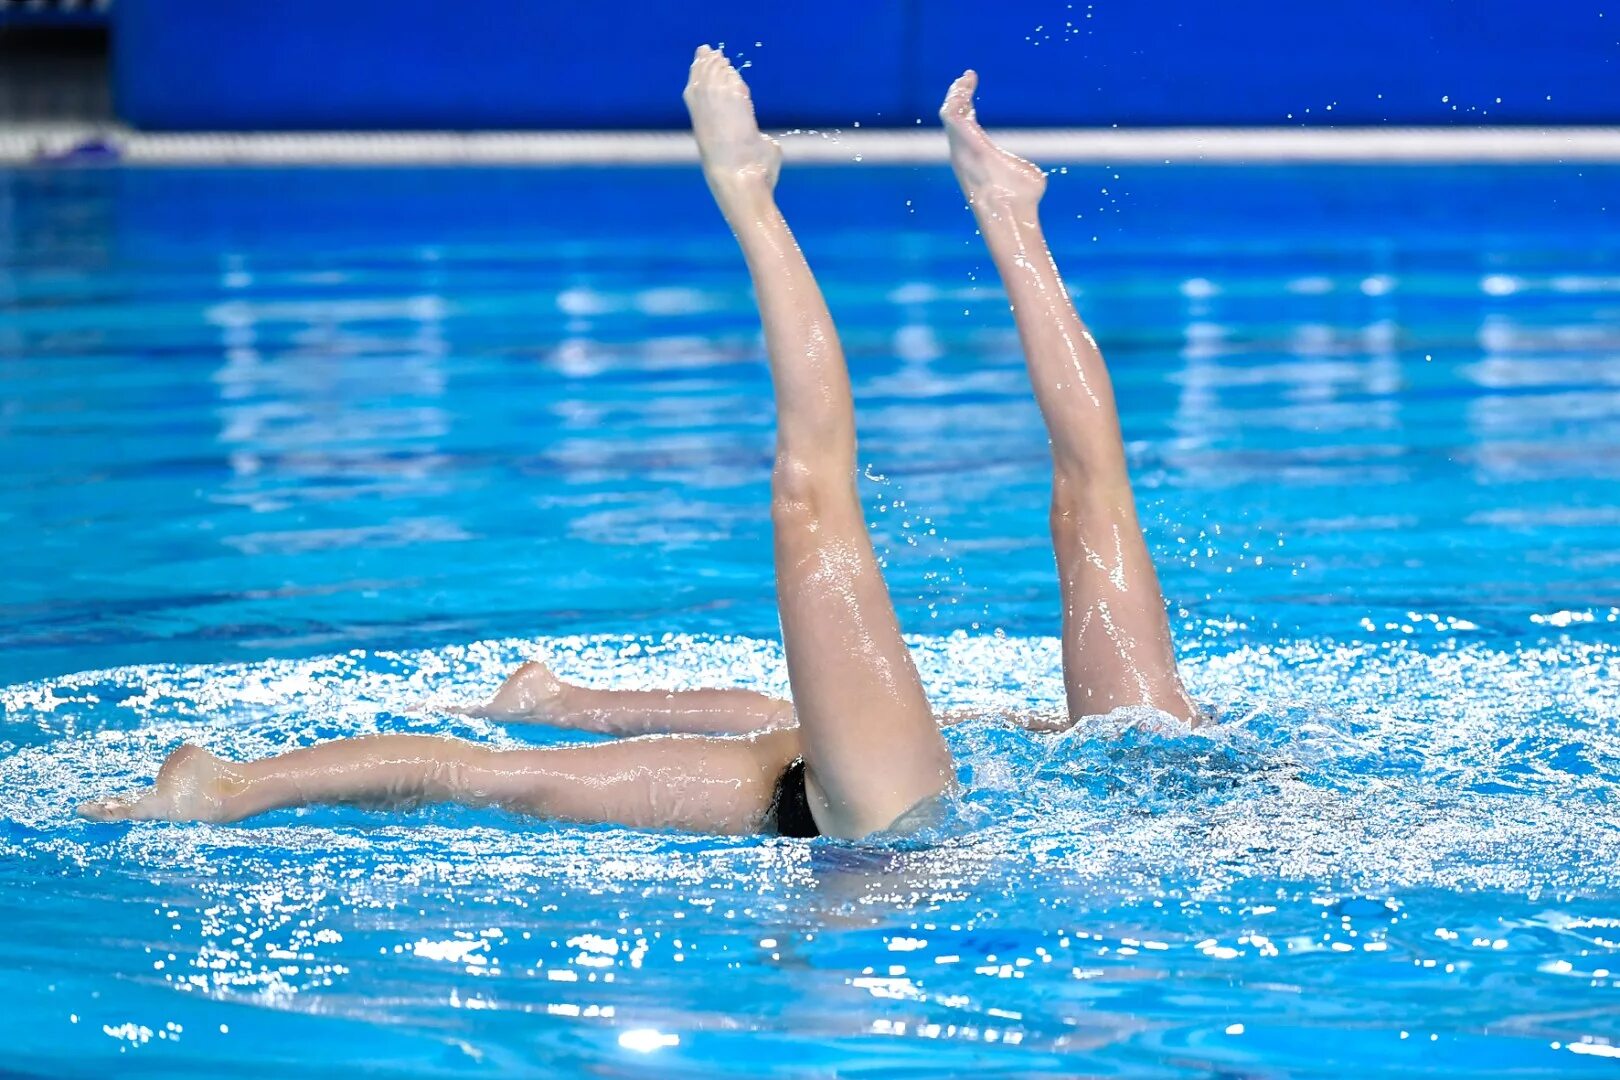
(504, 64)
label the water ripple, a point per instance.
(1414, 822)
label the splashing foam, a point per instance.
(1373, 764)
(1366, 813)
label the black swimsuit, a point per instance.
(790, 805)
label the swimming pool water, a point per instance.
(289, 453)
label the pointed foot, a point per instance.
(532, 692)
(986, 172)
(192, 785)
(728, 136)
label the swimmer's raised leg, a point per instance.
(534, 694)
(872, 750)
(1116, 635)
(721, 785)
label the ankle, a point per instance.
(746, 190)
(566, 698)
(994, 204)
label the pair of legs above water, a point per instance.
(871, 748)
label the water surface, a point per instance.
(290, 452)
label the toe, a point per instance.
(959, 98)
(702, 65)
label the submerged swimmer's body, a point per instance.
(858, 747)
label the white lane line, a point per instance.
(20, 144)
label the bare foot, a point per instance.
(532, 692)
(728, 136)
(192, 785)
(987, 173)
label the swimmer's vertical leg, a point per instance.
(1116, 636)
(871, 747)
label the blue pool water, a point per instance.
(289, 453)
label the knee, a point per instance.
(802, 490)
(1068, 497)
(1077, 497)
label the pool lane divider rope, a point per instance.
(70, 143)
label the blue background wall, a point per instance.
(310, 64)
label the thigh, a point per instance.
(871, 746)
(1116, 633)
(699, 783)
